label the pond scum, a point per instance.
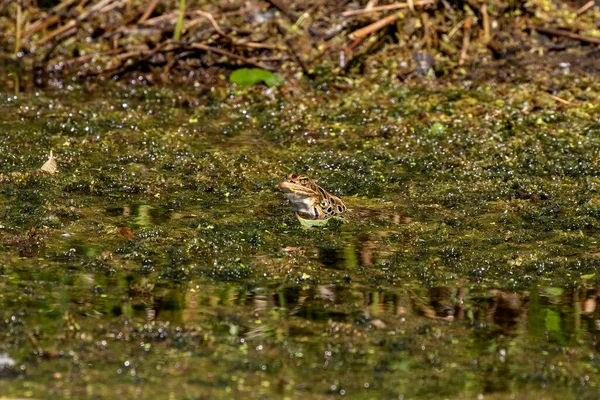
(146, 251)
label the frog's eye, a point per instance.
(304, 181)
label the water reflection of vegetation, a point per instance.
(492, 340)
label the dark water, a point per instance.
(98, 334)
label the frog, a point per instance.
(309, 199)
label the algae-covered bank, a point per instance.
(153, 255)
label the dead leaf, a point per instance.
(378, 324)
(50, 166)
(126, 232)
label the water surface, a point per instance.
(160, 260)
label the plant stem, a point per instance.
(179, 26)
(18, 30)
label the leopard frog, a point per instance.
(309, 199)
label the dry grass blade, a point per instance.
(213, 22)
(65, 4)
(50, 166)
(389, 7)
(284, 9)
(486, 23)
(74, 22)
(18, 28)
(226, 53)
(375, 26)
(192, 24)
(567, 34)
(148, 11)
(586, 7)
(40, 24)
(466, 39)
(563, 101)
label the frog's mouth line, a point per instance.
(288, 187)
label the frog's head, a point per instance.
(303, 193)
(299, 185)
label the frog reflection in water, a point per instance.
(309, 199)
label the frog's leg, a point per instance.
(319, 214)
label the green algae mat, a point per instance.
(160, 261)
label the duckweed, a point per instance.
(468, 265)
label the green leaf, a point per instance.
(273, 79)
(588, 276)
(438, 128)
(553, 321)
(554, 291)
(311, 223)
(250, 77)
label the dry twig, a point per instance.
(426, 28)
(563, 101)
(73, 23)
(229, 54)
(389, 7)
(66, 4)
(283, 8)
(18, 28)
(148, 11)
(40, 24)
(567, 34)
(374, 27)
(293, 50)
(586, 7)
(486, 23)
(221, 32)
(466, 39)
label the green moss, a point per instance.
(163, 241)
